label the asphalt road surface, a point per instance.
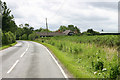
(29, 59)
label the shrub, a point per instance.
(114, 71)
(71, 49)
(99, 65)
(8, 38)
(24, 37)
(76, 51)
(20, 38)
(61, 47)
(52, 43)
(32, 36)
(13, 38)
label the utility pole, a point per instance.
(46, 26)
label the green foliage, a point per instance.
(61, 46)
(19, 33)
(8, 24)
(90, 32)
(63, 28)
(8, 38)
(42, 30)
(76, 51)
(26, 29)
(24, 37)
(114, 72)
(99, 65)
(89, 52)
(70, 27)
(33, 36)
(13, 38)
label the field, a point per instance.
(86, 56)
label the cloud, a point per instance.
(96, 15)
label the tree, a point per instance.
(77, 30)
(31, 28)
(63, 28)
(71, 27)
(24, 37)
(91, 32)
(8, 24)
(19, 33)
(102, 30)
(33, 36)
(27, 25)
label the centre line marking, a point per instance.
(25, 51)
(12, 67)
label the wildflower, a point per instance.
(99, 73)
(97, 59)
(95, 72)
(104, 69)
(96, 53)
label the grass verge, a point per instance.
(68, 62)
(6, 46)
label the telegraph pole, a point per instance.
(46, 26)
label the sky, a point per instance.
(87, 14)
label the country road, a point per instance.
(29, 59)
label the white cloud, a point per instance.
(85, 14)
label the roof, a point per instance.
(50, 33)
(67, 31)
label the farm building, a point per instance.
(50, 34)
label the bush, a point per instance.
(33, 36)
(99, 65)
(24, 37)
(8, 38)
(114, 72)
(76, 51)
(13, 38)
(61, 47)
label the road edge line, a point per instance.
(57, 63)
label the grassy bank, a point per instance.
(84, 59)
(6, 46)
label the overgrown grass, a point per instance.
(68, 61)
(6, 46)
(84, 59)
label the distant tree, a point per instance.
(23, 30)
(91, 32)
(24, 37)
(21, 25)
(27, 25)
(76, 29)
(39, 30)
(45, 30)
(31, 28)
(71, 27)
(102, 30)
(19, 33)
(33, 36)
(63, 28)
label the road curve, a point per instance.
(29, 59)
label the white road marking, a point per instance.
(17, 61)
(57, 64)
(12, 67)
(25, 51)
